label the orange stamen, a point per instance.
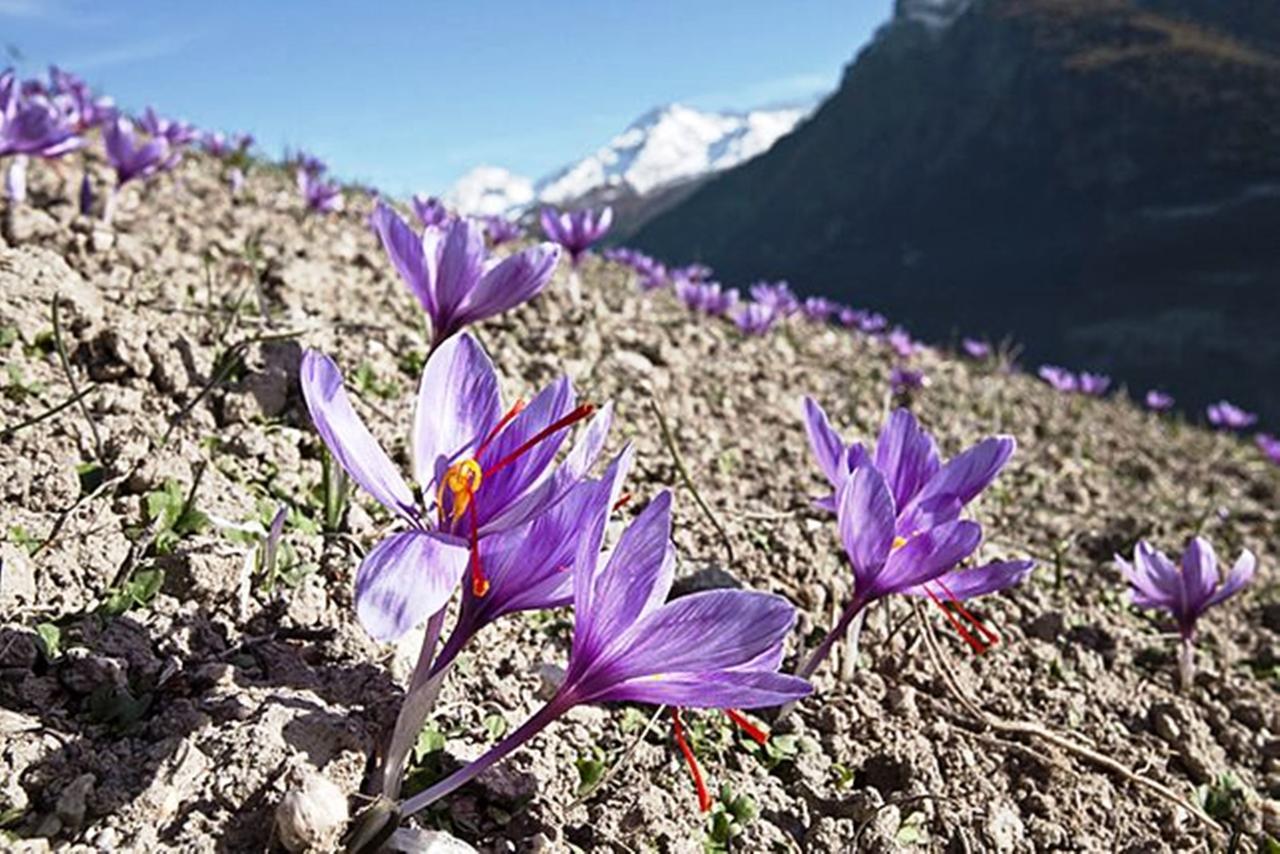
(569, 420)
(704, 798)
(516, 409)
(759, 735)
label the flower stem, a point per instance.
(419, 698)
(558, 705)
(1186, 663)
(823, 649)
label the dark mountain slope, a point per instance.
(1099, 178)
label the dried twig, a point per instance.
(620, 764)
(48, 413)
(71, 380)
(678, 461)
(1037, 730)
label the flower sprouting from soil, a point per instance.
(1060, 378)
(176, 131)
(777, 296)
(76, 100)
(480, 472)
(1227, 416)
(1269, 445)
(131, 155)
(501, 230)
(651, 272)
(819, 309)
(219, 144)
(718, 649)
(899, 519)
(1184, 591)
(902, 343)
(976, 349)
(576, 231)
(430, 211)
(318, 195)
(903, 379)
(452, 274)
(1094, 385)
(754, 318)
(693, 272)
(32, 125)
(707, 297)
(1158, 401)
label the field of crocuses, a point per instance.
(337, 522)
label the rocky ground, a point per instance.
(158, 692)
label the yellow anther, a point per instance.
(899, 542)
(462, 480)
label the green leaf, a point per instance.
(495, 725)
(49, 639)
(137, 592)
(23, 539)
(91, 475)
(912, 830)
(430, 740)
(590, 769)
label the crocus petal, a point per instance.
(348, 439)
(963, 584)
(924, 557)
(1199, 573)
(457, 406)
(962, 478)
(404, 247)
(516, 280)
(865, 516)
(1144, 592)
(906, 456)
(828, 449)
(708, 631)
(729, 689)
(1239, 576)
(462, 255)
(407, 578)
(524, 471)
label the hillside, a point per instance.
(1099, 179)
(158, 693)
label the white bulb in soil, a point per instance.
(311, 815)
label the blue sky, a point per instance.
(409, 96)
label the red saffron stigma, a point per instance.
(516, 409)
(704, 799)
(989, 636)
(569, 420)
(759, 735)
(479, 584)
(978, 647)
(621, 502)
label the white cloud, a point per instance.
(128, 53)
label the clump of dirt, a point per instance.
(159, 692)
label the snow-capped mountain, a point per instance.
(664, 147)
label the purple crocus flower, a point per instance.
(177, 132)
(430, 210)
(754, 318)
(480, 472)
(32, 125)
(77, 102)
(776, 296)
(692, 272)
(1228, 416)
(576, 231)
(872, 322)
(1060, 378)
(1158, 401)
(501, 230)
(1094, 385)
(718, 649)
(976, 349)
(319, 195)
(1269, 445)
(899, 514)
(900, 340)
(131, 158)
(819, 309)
(449, 270)
(903, 379)
(1185, 592)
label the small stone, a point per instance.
(704, 577)
(413, 840)
(550, 676)
(72, 804)
(83, 672)
(1164, 723)
(1004, 828)
(311, 815)
(1047, 627)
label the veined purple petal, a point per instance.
(404, 247)
(348, 439)
(906, 456)
(1199, 573)
(461, 264)
(1239, 576)
(964, 584)
(457, 406)
(516, 280)
(924, 557)
(865, 516)
(828, 448)
(514, 479)
(962, 478)
(725, 689)
(405, 579)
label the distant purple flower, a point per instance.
(32, 125)
(776, 296)
(319, 195)
(651, 272)
(218, 144)
(1158, 401)
(900, 340)
(177, 132)
(899, 518)
(819, 309)
(692, 272)
(430, 211)
(76, 100)
(308, 163)
(1185, 592)
(235, 180)
(449, 270)
(753, 318)
(903, 379)
(976, 349)
(131, 157)
(718, 649)
(871, 322)
(1228, 416)
(706, 297)
(576, 231)
(501, 230)
(480, 473)
(1060, 378)
(1270, 445)
(1094, 385)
